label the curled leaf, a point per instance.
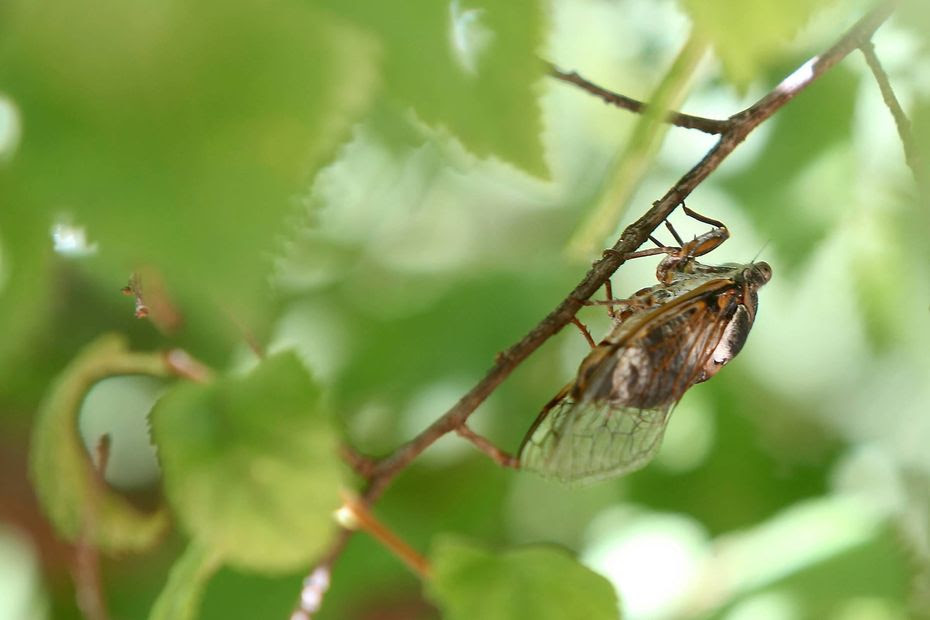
(68, 488)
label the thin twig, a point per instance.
(894, 106)
(88, 584)
(504, 459)
(360, 464)
(355, 515)
(738, 127)
(184, 365)
(707, 125)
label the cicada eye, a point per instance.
(758, 273)
(765, 271)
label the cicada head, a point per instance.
(757, 274)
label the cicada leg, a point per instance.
(584, 331)
(702, 244)
(702, 218)
(611, 302)
(609, 293)
(682, 260)
(675, 234)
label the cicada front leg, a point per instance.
(584, 331)
(682, 259)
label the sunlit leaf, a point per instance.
(914, 15)
(250, 464)
(181, 136)
(748, 34)
(526, 582)
(180, 599)
(70, 492)
(469, 66)
(816, 592)
(921, 137)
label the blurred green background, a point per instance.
(389, 191)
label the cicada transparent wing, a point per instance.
(584, 442)
(611, 420)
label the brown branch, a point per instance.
(355, 515)
(707, 125)
(901, 121)
(360, 464)
(634, 236)
(737, 128)
(184, 365)
(497, 455)
(88, 584)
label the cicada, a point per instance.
(610, 420)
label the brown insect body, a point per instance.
(611, 419)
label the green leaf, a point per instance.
(748, 34)
(67, 486)
(181, 597)
(250, 464)
(179, 138)
(528, 582)
(24, 283)
(469, 66)
(921, 140)
(914, 16)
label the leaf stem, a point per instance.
(641, 150)
(355, 515)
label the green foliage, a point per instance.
(24, 267)
(292, 174)
(250, 464)
(177, 117)
(477, 74)
(77, 503)
(821, 587)
(180, 600)
(529, 582)
(748, 34)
